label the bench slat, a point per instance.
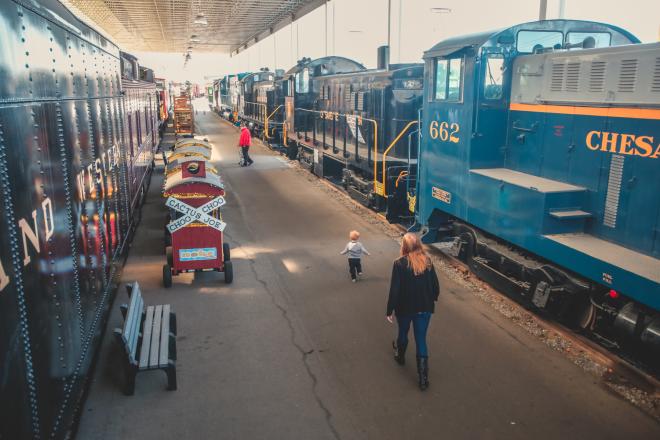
(146, 337)
(129, 314)
(165, 336)
(155, 337)
(134, 330)
(132, 324)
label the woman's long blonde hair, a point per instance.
(412, 248)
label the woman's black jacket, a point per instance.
(410, 293)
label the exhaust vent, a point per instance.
(557, 79)
(597, 76)
(628, 76)
(655, 84)
(572, 77)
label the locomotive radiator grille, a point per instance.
(557, 79)
(628, 76)
(597, 78)
(613, 191)
(572, 77)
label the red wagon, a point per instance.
(194, 194)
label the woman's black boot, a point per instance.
(423, 372)
(399, 352)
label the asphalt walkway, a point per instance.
(294, 350)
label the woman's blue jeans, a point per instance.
(420, 322)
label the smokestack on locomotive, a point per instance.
(383, 57)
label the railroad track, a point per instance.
(623, 375)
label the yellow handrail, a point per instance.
(401, 133)
(286, 144)
(268, 119)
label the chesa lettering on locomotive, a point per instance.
(623, 143)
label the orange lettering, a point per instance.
(643, 143)
(589, 139)
(609, 142)
(657, 152)
(626, 142)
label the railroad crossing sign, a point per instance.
(192, 214)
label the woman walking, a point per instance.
(414, 290)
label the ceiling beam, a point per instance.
(254, 39)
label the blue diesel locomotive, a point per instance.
(260, 103)
(78, 130)
(358, 126)
(538, 159)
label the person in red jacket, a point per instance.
(244, 143)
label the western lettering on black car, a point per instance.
(4, 279)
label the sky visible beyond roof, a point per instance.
(360, 26)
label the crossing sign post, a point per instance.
(191, 214)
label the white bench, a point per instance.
(148, 339)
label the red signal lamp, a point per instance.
(613, 294)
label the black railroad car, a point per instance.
(141, 116)
(78, 131)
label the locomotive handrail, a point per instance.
(360, 119)
(387, 150)
(256, 104)
(268, 119)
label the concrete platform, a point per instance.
(294, 350)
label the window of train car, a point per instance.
(441, 79)
(454, 83)
(529, 40)
(448, 76)
(302, 81)
(493, 76)
(602, 39)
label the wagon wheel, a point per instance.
(226, 253)
(167, 275)
(229, 272)
(168, 253)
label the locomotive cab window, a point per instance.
(531, 41)
(588, 40)
(493, 76)
(448, 79)
(302, 81)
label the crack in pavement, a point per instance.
(285, 314)
(292, 332)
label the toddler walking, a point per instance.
(354, 249)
